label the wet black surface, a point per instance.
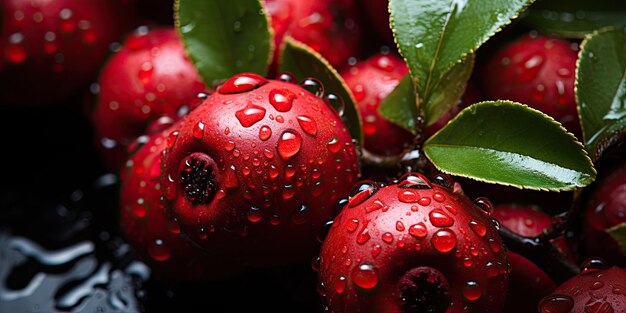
(60, 246)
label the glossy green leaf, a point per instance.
(400, 106)
(435, 35)
(303, 62)
(575, 18)
(512, 144)
(618, 232)
(224, 38)
(601, 89)
(448, 90)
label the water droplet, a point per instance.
(198, 130)
(365, 276)
(334, 145)
(387, 237)
(289, 144)
(418, 230)
(308, 125)
(399, 226)
(443, 240)
(592, 265)
(361, 192)
(414, 181)
(265, 132)
(408, 196)
(364, 235)
(556, 304)
(230, 178)
(299, 217)
(530, 69)
(494, 245)
(254, 214)
(281, 99)
(478, 228)
(313, 86)
(145, 72)
(439, 218)
(443, 180)
(335, 102)
(484, 204)
(376, 250)
(471, 291)
(491, 270)
(340, 284)
(286, 77)
(171, 139)
(158, 251)
(352, 225)
(250, 115)
(384, 63)
(241, 83)
(439, 197)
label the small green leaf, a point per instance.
(400, 106)
(512, 144)
(601, 89)
(302, 61)
(435, 35)
(224, 38)
(618, 232)
(449, 90)
(575, 18)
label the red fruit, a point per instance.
(606, 208)
(371, 81)
(153, 235)
(597, 289)
(538, 71)
(149, 77)
(328, 27)
(256, 170)
(51, 49)
(528, 283)
(413, 246)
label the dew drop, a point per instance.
(334, 145)
(352, 225)
(408, 196)
(399, 226)
(471, 291)
(376, 250)
(250, 115)
(242, 83)
(254, 214)
(531, 69)
(289, 144)
(478, 228)
(313, 86)
(308, 125)
(414, 181)
(286, 77)
(198, 130)
(387, 237)
(145, 73)
(158, 251)
(556, 304)
(361, 192)
(281, 99)
(491, 270)
(418, 230)
(365, 276)
(265, 132)
(340, 284)
(335, 102)
(494, 245)
(299, 217)
(592, 265)
(484, 204)
(443, 240)
(439, 218)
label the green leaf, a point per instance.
(512, 144)
(618, 232)
(302, 61)
(575, 18)
(435, 35)
(449, 90)
(400, 106)
(601, 89)
(224, 38)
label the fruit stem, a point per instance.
(542, 252)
